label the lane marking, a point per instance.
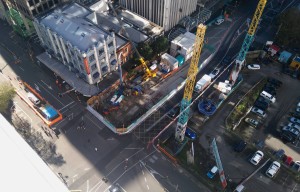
(66, 106)
(148, 187)
(51, 94)
(21, 68)
(94, 122)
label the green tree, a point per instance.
(289, 28)
(7, 92)
(161, 44)
(145, 50)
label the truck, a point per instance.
(202, 83)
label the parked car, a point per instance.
(264, 100)
(115, 188)
(262, 105)
(257, 157)
(296, 114)
(251, 122)
(214, 73)
(275, 82)
(292, 130)
(298, 104)
(298, 109)
(226, 61)
(258, 111)
(294, 125)
(296, 166)
(190, 134)
(273, 169)
(287, 137)
(174, 112)
(240, 146)
(253, 66)
(294, 120)
(211, 173)
(219, 21)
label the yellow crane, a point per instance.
(248, 40)
(148, 73)
(190, 84)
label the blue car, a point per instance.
(190, 134)
(212, 172)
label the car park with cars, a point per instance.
(257, 157)
(287, 137)
(251, 122)
(293, 131)
(273, 169)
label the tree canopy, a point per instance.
(7, 92)
(145, 50)
(160, 45)
(289, 28)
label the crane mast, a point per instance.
(248, 39)
(190, 83)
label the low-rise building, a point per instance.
(183, 45)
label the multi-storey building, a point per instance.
(165, 13)
(84, 48)
(22, 12)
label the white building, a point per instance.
(183, 45)
(165, 13)
(69, 35)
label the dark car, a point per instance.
(190, 134)
(240, 146)
(262, 105)
(174, 112)
(296, 114)
(262, 99)
(275, 82)
(226, 61)
(287, 137)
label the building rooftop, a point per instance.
(70, 23)
(186, 40)
(134, 19)
(109, 22)
(21, 167)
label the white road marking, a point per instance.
(51, 94)
(75, 175)
(66, 105)
(148, 187)
(94, 123)
(142, 171)
(295, 187)
(21, 68)
(49, 86)
(37, 87)
(145, 179)
(87, 185)
(86, 169)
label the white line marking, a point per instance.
(51, 95)
(295, 187)
(75, 175)
(148, 187)
(145, 179)
(21, 68)
(87, 185)
(142, 171)
(66, 105)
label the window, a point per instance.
(101, 51)
(110, 44)
(79, 58)
(92, 58)
(93, 67)
(30, 3)
(104, 69)
(96, 75)
(126, 50)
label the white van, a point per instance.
(33, 98)
(268, 96)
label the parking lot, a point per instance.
(265, 136)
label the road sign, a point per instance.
(218, 162)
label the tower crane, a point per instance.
(248, 39)
(148, 73)
(190, 83)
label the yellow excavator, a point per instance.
(148, 73)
